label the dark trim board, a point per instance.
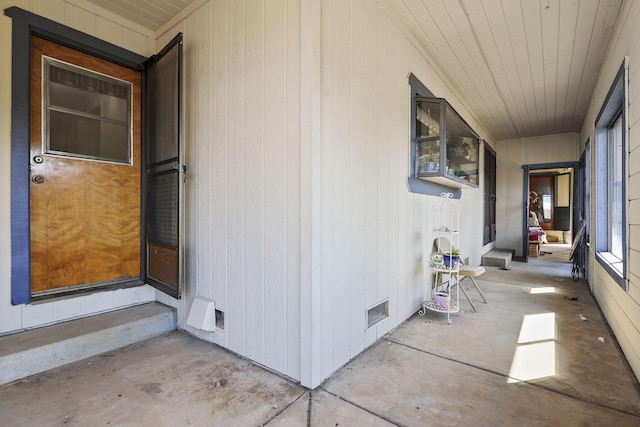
(25, 24)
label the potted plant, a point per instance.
(457, 147)
(437, 258)
(428, 162)
(442, 296)
(441, 300)
(452, 258)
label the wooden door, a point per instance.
(84, 209)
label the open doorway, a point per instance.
(548, 216)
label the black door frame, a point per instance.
(582, 211)
(26, 24)
(525, 197)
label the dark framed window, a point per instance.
(610, 177)
(444, 153)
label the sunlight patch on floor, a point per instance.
(547, 290)
(535, 356)
(533, 361)
(537, 327)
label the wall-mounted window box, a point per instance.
(446, 149)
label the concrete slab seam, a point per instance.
(522, 381)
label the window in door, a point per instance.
(85, 114)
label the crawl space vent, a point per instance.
(377, 313)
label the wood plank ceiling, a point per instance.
(525, 67)
(150, 14)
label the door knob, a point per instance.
(37, 179)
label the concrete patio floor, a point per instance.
(538, 354)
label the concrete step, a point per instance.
(30, 352)
(498, 258)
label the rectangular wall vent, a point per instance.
(219, 320)
(377, 313)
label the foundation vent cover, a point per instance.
(202, 314)
(377, 313)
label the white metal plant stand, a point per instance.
(442, 295)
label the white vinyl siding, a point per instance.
(242, 141)
(374, 235)
(298, 214)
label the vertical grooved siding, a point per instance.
(244, 201)
(375, 236)
(242, 140)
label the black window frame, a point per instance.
(418, 89)
(613, 108)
